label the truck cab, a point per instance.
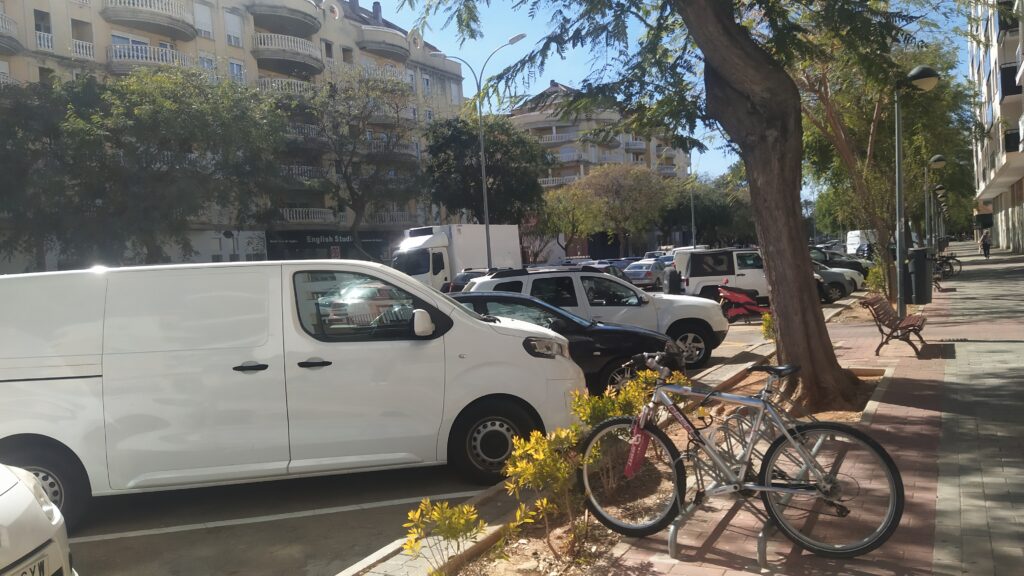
(425, 258)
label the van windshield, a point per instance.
(412, 262)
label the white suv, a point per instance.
(703, 270)
(696, 324)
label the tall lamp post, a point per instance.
(937, 162)
(921, 78)
(480, 117)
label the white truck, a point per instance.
(435, 254)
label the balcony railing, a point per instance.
(666, 152)
(83, 49)
(286, 86)
(571, 157)
(123, 57)
(44, 41)
(636, 145)
(379, 147)
(667, 170)
(7, 25)
(288, 43)
(557, 181)
(302, 172)
(171, 8)
(309, 215)
(299, 130)
(391, 218)
(1011, 141)
(6, 79)
(558, 138)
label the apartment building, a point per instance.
(279, 46)
(997, 69)
(577, 154)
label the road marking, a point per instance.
(270, 517)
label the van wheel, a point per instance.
(481, 440)
(695, 341)
(835, 291)
(62, 477)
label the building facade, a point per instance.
(997, 69)
(279, 46)
(576, 154)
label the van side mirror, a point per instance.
(422, 325)
(644, 300)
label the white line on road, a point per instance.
(269, 518)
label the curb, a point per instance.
(394, 548)
(888, 375)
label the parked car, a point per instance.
(654, 254)
(162, 377)
(612, 270)
(646, 274)
(697, 325)
(602, 350)
(855, 277)
(837, 284)
(823, 294)
(836, 259)
(621, 263)
(702, 271)
(461, 279)
(35, 538)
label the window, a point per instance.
(42, 21)
(456, 96)
(430, 115)
(346, 55)
(328, 49)
(46, 76)
(602, 292)
(236, 69)
(207, 61)
(410, 79)
(233, 27)
(523, 312)
(413, 262)
(558, 291)
(712, 264)
(514, 286)
(749, 261)
(204, 20)
(436, 263)
(5, 68)
(346, 306)
(426, 85)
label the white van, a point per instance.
(854, 238)
(151, 378)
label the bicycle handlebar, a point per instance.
(663, 364)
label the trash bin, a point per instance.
(920, 276)
(675, 282)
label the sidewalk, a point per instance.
(953, 421)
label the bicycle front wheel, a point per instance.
(856, 507)
(956, 266)
(648, 500)
(946, 269)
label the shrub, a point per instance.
(876, 279)
(446, 530)
(627, 400)
(768, 326)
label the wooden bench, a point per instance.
(889, 324)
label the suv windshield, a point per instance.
(413, 262)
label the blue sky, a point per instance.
(499, 24)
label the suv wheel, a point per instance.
(695, 342)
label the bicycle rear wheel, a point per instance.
(854, 511)
(945, 268)
(956, 266)
(643, 504)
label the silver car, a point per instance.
(645, 273)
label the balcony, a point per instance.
(666, 152)
(8, 35)
(287, 54)
(289, 17)
(636, 145)
(83, 49)
(123, 58)
(6, 80)
(666, 170)
(303, 173)
(166, 17)
(385, 42)
(379, 147)
(1009, 21)
(572, 157)
(304, 133)
(612, 159)
(286, 86)
(1011, 141)
(1004, 166)
(1008, 87)
(392, 218)
(308, 215)
(556, 139)
(44, 41)
(557, 181)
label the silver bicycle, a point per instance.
(829, 487)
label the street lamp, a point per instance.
(937, 162)
(480, 117)
(921, 78)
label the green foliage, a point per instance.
(515, 161)
(721, 207)
(626, 400)
(571, 211)
(631, 197)
(767, 326)
(876, 280)
(445, 530)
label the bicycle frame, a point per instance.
(764, 408)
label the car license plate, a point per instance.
(34, 567)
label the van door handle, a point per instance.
(250, 367)
(741, 274)
(314, 363)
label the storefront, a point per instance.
(327, 244)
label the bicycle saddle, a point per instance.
(778, 371)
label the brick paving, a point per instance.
(953, 420)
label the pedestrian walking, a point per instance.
(986, 243)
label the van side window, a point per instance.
(602, 292)
(749, 261)
(346, 306)
(557, 291)
(711, 264)
(514, 286)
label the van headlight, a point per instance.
(545, 347)
(33, 484)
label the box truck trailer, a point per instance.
(435, 254)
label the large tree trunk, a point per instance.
(758, 106)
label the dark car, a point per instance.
(461, 279)
(836, 260)
(601, 350)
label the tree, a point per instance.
(364, 119)
(515, 161)
(741, 50)
(630, 198)
(571, 211)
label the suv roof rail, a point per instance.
(512, 272)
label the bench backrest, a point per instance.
(881, 310)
